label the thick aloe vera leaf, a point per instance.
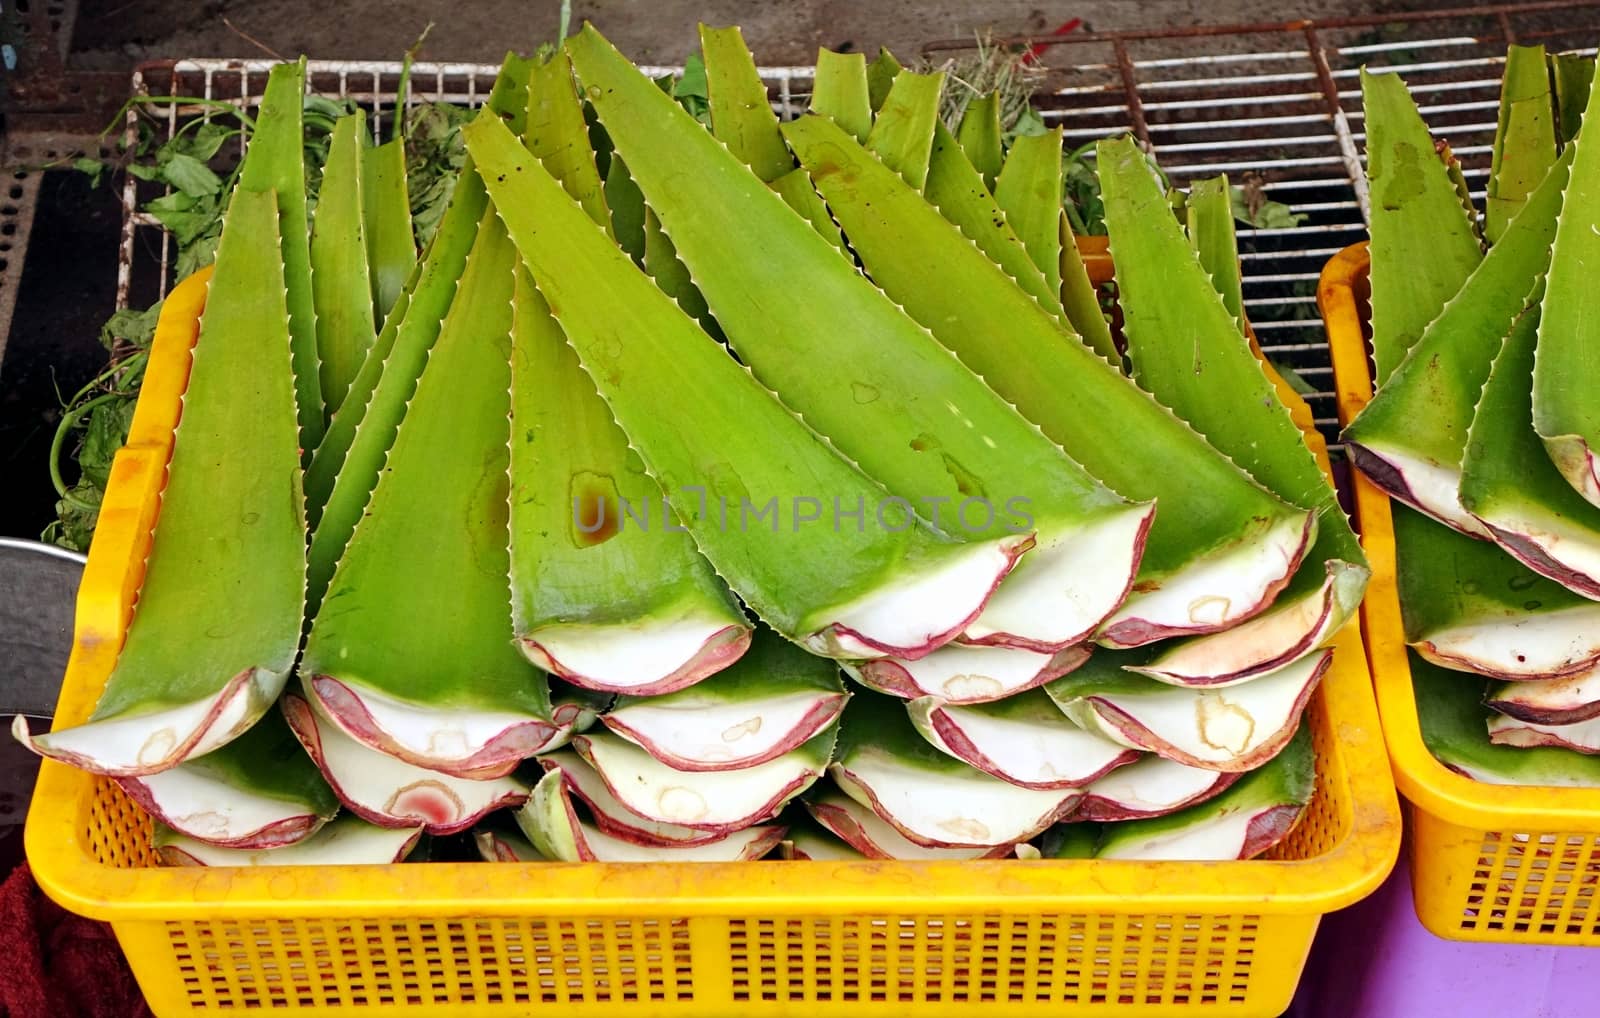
(452, 694)
(1423, 245)
(274, 165)
(767, 703)
(880, 77)
(258, 791)
(1469, 606)
(796, 191)
(1188, 352)
(217, 623)
(902, 135)
(1075, 840)
(1458, 179)
(1220, 545)
(740, 114)
(627, 209)
(1572, 75)
(841, 91)
(1524, 140)
(931, 798)
(705, 430)
(1579, 737)
(388, 791)
(1209, 217)
(962, 673)
(956, 189)
(386, 223)
(345, 841)
(341, 285)
(1029, 191)
(1234, 729)
(557, 135)
(1565, 413)
(610, 815)
(1563, 701)
(967, 451)
(1513, 489)
(873, 838)
(1150, 787)
(979, 135)
(1411, 437)
(1253, 814)
(1081, 300)
(347, 464)
(1022, 739)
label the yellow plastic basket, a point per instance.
(813, 938)
(1513, 864)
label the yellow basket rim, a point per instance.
(57, 827)
(1422, 779)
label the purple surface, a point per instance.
(1374, 960)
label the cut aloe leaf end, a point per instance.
(809, 841)
(346, 841)
(640, 658)
(870, 836)
(1563, 701)
(503, 843)
(1536, 646)
(609, 813)
(1579, 736)
(1152, 786)
(387, 791)
(957, 673)
(1023, 739)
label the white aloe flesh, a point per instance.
(344, 841)
(1024, 739)
(1255, 813)
(1219, 547)
(388, 791)
(933, 799)
(1151, 786)
(452, 694)
(1562, 701)
(1578, 736)
(598, 598)
(1237, 728)
(1564, 410)
(608, 812)
(773, 699)
(958, 673)
(705, 430)
(874, 838)
(705, 800)
(216, 626)
(967, 462)
(258, 791)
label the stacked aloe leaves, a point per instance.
(1483, 425)
(715, 485)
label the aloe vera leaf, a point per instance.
(386, 221)
(1458, 180)
(960, 673)
(1081, 300)
(258, 791)
(1411, 437)
(956, 189)
(1209, 215)
(1562, 701)
(741, 116)
(1573, 75)
(1029, 191)
(1524, 139)
(902, 135)
(1253, 814)
(841, 92)
(705, 430)
(347, 464)
(766, 704)
(967, 447)
(454, 695)
(1218, 555)
(721, 801)
(602, 604)
(340, 283)
(344, 841)
(1469, 606)
(274, 165)
(499, 839)
(1423, 246)
(627, 209)
(227, 561)
(881, 73)
(1579, 737)
(873, 838)
(796, 191)
(932, 799)
(1022, 739)
(1075, 840)
(1233, 729)
(806, 840)
(1513, 489)
(390, 792)
(979, 135)
(610, 815)
(1151, 786)
(1564, 412)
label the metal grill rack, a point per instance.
(1276, 105)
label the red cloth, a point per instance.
(54, 964)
